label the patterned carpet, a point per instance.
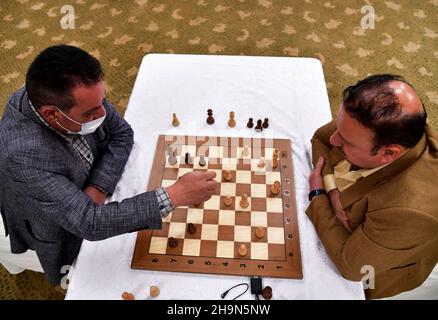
(120, 33)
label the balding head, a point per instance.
(407, 97)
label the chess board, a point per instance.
(221, 229)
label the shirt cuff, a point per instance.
(329, 182)
(164, 202)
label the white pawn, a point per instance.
(245, 151)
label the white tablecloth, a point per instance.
(291, 92)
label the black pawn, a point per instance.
(210, 119)
(265, 123)
(259, 127)
(191, 229)
(250, 123)
(188, 159)
(172, 242)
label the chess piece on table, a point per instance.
(175, 121)
(228, 175)
(202, 162)
(191, 229)
(267, 293)
(259, 127)
(275, 188)
(261, 163)
(154, 291)
(228, 201)
(172, 242)
(250, 123)
(231, 122)
(265, 123)
(244, 203)
(242, 250)
(127, 296)
(210, 119)
(260, 232)
(275, 159)
(188, 159)
(245, 151)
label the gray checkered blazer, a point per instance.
(41, 183)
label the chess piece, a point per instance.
(275, 188)
(202, 162)
(261, 163)
(244, 203)
(260, 232)
(245, 151)
(259, 127)
(175, 121)
(228, 176)
(283, 154)
(188, 159)
(154, 291)
(275, 159)
(242, 250)
(267, 293)
(231, 122)
(228, 201)
(172, 242)
(191, 229)
(265, 123)
(171, 156)
(127, 296)
(210, 119)
(250, 123)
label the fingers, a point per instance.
(319, 165)
(210, 175)
(211, 185)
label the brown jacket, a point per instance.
(393, 214)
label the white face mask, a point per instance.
(87, 127)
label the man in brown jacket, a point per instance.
(374, 189)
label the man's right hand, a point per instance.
(192, 188)
(337, 207)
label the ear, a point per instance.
(391, 152)
(49, 113)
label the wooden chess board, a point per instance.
(221, 229)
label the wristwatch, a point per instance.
(316, 192)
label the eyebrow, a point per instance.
(95, 108)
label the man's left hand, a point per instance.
(95, 194)
(315, 178)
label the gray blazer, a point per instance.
(41, 183)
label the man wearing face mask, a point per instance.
(373, 191)
(63, 150)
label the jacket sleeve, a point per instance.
(108, 168)
(321, 145)
(382, 241)
(37, 178)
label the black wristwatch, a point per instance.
(316, 192)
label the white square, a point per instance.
(243, 176)
(177, 230)
(255, 167)
(209, 232)
(240, 153)
(196, 163)
(167, 183)
(239, 208)
(259, 219)
(274, 205)
(276, 235)
(213, 203)
(183, 171)
(228, 189)
(227, 217)
(258, 190)
(229, 163)
(259, 250)
(158, 245)
(216, 152)
(225, 249)
(242, 234)
(176, 165)
(191, 247)
(273, 176)
(188, 148)
(194, 215)
(218, 177)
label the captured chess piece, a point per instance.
(175, 121)
(172, 242)
(267, 293)
(154, 291)
(275, 159)
(265, 123)
(202, 162)
(259, 127)
(127, 296)
(228, 201)
(261, 163)
(250, 123)
(210, 119)
(231, 122)
(244, 203)
(275, 188)
(188, 159)
(242, 250)
(260, 232)
(228, 175)
(191, 228)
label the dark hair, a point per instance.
(374, 105)
(56, 71)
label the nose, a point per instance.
(336, 140)
(100, 112)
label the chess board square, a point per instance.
(176, 165)
(225, 233)
(183, 171)
(257, 152)
(227, 188)
(236, 250)
(191, 247)
(244, 165)
(276, 235)
(255, 165)
(177, 230)
(259, 219)
(258, 177)
(233, 179)
(197, 166)
(178, 215)
(214, 164)
(239, 208)
(276, 252)
(208, 248)
(194, 216)
(275, 220)
(226, 217)
(259, 251)
(209, 232)
(242, 233)
(163, 232)
(258, 204)
(216, 152)
(229, 164)
(210, 217)
(272, 176)
(196, 234)
(274, 205)
(158, 245)
(270, 194)
(213, 203)
(240, 153)
(243, 176)
(254, 238)
(243, 218)
(218, 177)
(223, 206)
(242, 188)
(225, 249)
(170, 174)
(167, 183)
(258, 190)
(188, 148)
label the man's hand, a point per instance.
(315, 178)
(337, 207)
(192, 188)
(95, 194)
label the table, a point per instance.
(291, 92)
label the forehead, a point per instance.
(352, 131)
(87, 97)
